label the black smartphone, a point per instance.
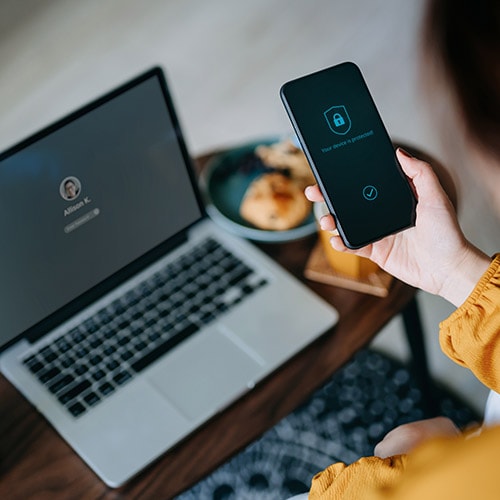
(350, 153)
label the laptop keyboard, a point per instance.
(90, 362)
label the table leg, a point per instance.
(420, 366)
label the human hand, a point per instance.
(434, 255)
(405, 437)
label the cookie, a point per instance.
(285, 155)
(274, 202)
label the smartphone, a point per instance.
(350, 153)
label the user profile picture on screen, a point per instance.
(70, 188)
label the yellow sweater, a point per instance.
(454, 468)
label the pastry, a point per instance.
(274, 202)
(285, 155)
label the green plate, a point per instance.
(224, 182)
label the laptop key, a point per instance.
(206, 317)
(76, 335)
(75, 391)
(49, 355)
(151, 322)
(80, 369)
(109, 350)
(123, 324)
(67, 361)
(98, 375)
(63, 345)
(35, 366)
(112, 364)
(164, 347)
(155, 335)
(90, 326)
(49, 374)
(104, 316)
(231, 296)
(95, 360)
(241, 275)
(30, 360)
(61, 383)
(121, 377)
(126, 355)
(95, 342)
(140, 346)
(106, 388)
(247, 289)
(124, 340)
(109, 333)
(77, 409)
(91, 398)
(81, 352)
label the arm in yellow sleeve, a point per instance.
(471, 335)
(340, 481)
(457, 468)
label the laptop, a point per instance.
(129, 318)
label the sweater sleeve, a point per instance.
(471, 335)
(340, 481)
(455, 468)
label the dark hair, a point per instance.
(463, 40)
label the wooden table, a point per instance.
(36, 463)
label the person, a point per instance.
(70, 189)
(432, 459)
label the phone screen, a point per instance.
(350, 153)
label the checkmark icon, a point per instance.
(370, 193)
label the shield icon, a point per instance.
(338, 119)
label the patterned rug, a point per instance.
(341, 421)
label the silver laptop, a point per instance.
(128, 318)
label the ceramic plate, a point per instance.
(224, 182)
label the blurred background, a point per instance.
(225, 61)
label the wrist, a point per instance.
(464, 277)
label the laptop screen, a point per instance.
(87, 197)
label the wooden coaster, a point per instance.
(318, 269)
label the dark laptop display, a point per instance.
(83, 202)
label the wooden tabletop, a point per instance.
(35, 462)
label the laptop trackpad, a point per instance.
(205, 375)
